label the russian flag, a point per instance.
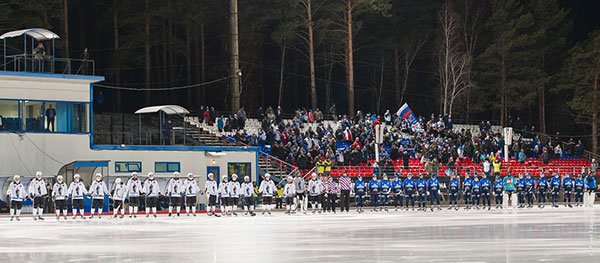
(406, 113)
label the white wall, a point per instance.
(34, 88)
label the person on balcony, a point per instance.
(39, 52)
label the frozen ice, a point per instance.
(509, 235)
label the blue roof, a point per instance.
(92, 79)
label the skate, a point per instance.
(82, 217)
(456, 208)
(34, 218)
(130, 216)
(18, 219)
(65, 217)
(432, 209)
(12, 218)
(269, 212)
(489, 208)
(266, 211)
(246, 213)
(99, 216)
(122, 216)
(450, 208)
(252, 214)
(74, 217)
(177, 214)
(57, 218)
(570, 206)
(147, 215)
(92, 216)
(216, 215)
(170, 214)
(134, 216)
(41, 218)
(439, 208)
(194, 214)
(154, 215)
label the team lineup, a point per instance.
(321, 192)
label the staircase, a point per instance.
(277, 168)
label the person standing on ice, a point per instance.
(360, 188)
(289, 192)
(374, 192)
(422, 192)
(37, 191)
(234, 193)
(152, 190)
(468, 191)
(529, 188)
(521, 192)
(486, 193)
(191, 192)
(345, 189)
(174, 191)
(211, 190)
(590, 189)
(476, 191)
(433, 186)
(409, 186)
(267, 189)
(453, 187)
(224, 193)
(499, 191)
(397, 191)
(247, 191)
(77, 191)
(134, 188)
(60, 196)
(315, 189)
(15, 195)
(568, 186)
(579, 189)
(385, 187)
(542, 187)
(97, 190)
(119, 193)
(301, 199)
(332, 190)
(555, 189)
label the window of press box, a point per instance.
(128, 167)
(64, 117)
(241, 169)
(167, 167)
(9, 115)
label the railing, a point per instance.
(49, 64)
(280, 166)
(368, 171)
(146, 137)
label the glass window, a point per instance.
(79, 118)
(167, 167)
(128, 167)
(9, 115)
(241, 169)
(32, 113)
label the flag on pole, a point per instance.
(406, 113)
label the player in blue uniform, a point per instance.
(498, 191)
(359, 191)
(468, 191)
(590, 188)
(555, 189)
(579, 189)
(521, 192)
(421, 192)
(486, 193)
(409, 186)
(568, 185)
(453, 187)
(476, 192)
(542, 187)
(385, 187)
(397, 191)
(433, 186)
(374, 192)
(529, 188)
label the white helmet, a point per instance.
(76, 177)
(176, 174)
(17, 178)
(98, 175)
(134, 175)
(234, 177)
(38, 174)
(224, 178)
(313, 175)
(211, 176)
(290, 178)
(59, 178)
(151, 175)
(267, 176)
(190, 175)
(247, 178)
(118, 181)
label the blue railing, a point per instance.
(49, 64)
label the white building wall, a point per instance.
(33, 88)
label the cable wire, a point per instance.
(163, 89)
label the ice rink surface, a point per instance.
(523, 235)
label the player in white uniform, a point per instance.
(60, 196)
(211, 190)
(267, 189)
(97, 190)
(247, 192)
(234, 193)
(37, 191)
(301, 199)
(15, 195)
(152, 191)
(191, 192)
(119, 193)
(289, 193)
(134, 188)
(77, 191)
(174, 191)
(315, 190)
(224, 193)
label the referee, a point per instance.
(345, 184)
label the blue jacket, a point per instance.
(542, 183)
(433, 184)
(590, 182)
(374, 186)
(409, 185)
(486, 184)
(521, 183)
(579, 185)
(385, 186)
(568, 184)
(454, 186)
(421, 185)
(397, 186)
(468, 184)
(529, 184)
(359, 187)
(498, 186)
(555, 183)
(476, 186)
